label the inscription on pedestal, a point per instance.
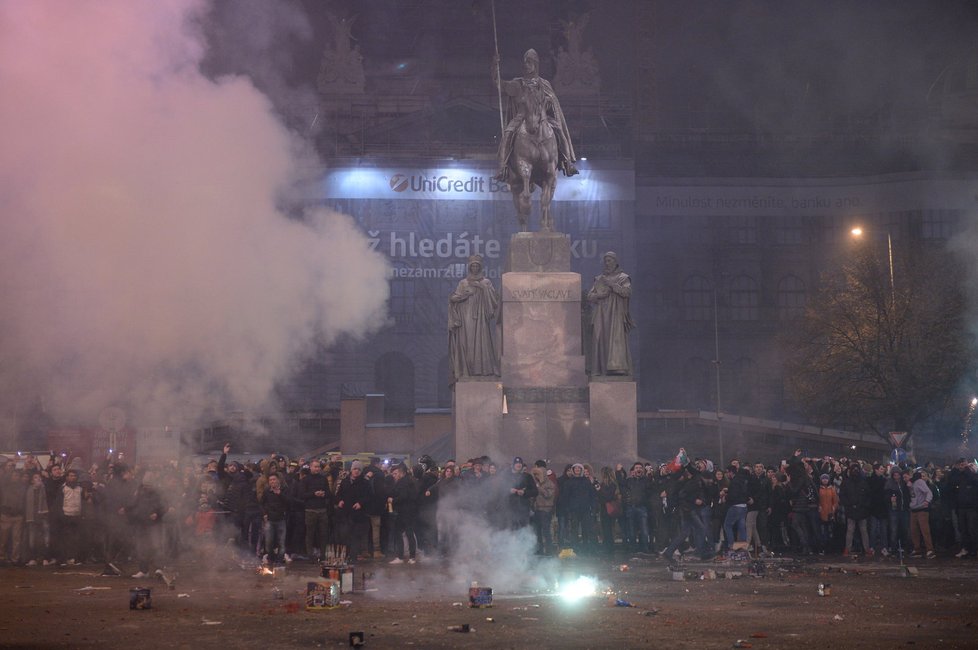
(541, 287)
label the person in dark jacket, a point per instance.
(878, 510)
(352, 502)
(897, 491)
(759, 509)
(520, 495)
(854, 496)
(403, 506)
(967, 504)
(577, 496)
(689, 499)
(275, 507)
(635, 497)
(316, 496)
(738, 498)
(145, 514)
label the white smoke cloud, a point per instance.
(143, 257)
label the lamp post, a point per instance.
(857, 232)
(716, 363)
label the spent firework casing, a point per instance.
(140, 598)
(480, 597)
(322, 594)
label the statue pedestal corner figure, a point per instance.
(610, 321)
(473, 310)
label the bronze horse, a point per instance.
(534, 159)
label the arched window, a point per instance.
(697, 298)
(791, 298)
(744, 298)
(394, 377)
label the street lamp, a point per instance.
(857, 232)
(716, 363)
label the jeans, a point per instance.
(637, 530)
(863, 533)
(690, 525)
(11, 526)
(900, 530)
(878, 538)
(274, 537)
(317, 532)
(541, 525)
(404, 527)
(735, 525)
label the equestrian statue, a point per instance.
(535, 142)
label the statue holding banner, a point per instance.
(473, 309)
(610, 320)
(535, 141)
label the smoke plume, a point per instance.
(146, 259)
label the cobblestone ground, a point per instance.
(217, 602)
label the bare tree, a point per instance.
(880, 349)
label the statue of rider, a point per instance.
(514, 90)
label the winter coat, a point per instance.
(828, 502)
(854, 496)
(546, 490)
(920, 496)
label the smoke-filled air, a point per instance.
(146, 257)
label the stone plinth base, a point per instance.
(614, 425)
(540, 252)
(542, 330)
(478, 417)
(547, 423)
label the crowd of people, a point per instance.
(281, 510)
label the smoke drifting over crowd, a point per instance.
(146, 259)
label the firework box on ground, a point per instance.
(140, 598)
(322, 594)
(342, 573)
(480, 597)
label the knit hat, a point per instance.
(518, 460)
(825, 477)
(355, 465)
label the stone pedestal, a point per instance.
(477, 418)
(552, 411)
(542, 330)
(614, 423)
(538, 252)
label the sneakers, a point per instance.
(962, 553)
(885, 552)
(412, 561)
(870, 552)
(72, 562)
(49, 562)
(930, 555)
(32, 563)
(915, 554)
(396, 560)
(140, 574)
(288, 558)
